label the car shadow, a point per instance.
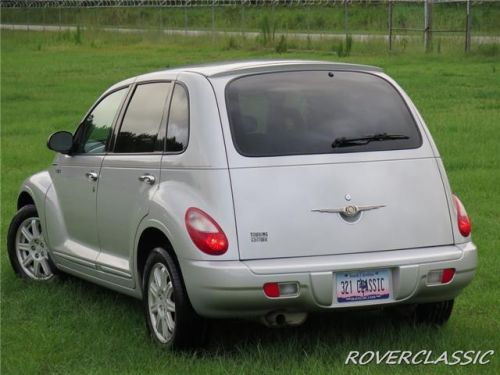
(320, 329)
(232, 337)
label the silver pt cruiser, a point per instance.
(260, 189)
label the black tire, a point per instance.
(436, 313)
(190, 329)
(25, 213)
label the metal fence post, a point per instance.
(161, 18)
(390, 24)
(346, 23)
(213, 19)
(428, 25)
(468, 26)
(308, 18)
(185, 17)
(242, 14)
(273, 23)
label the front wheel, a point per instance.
(170, 318)
(26, 246)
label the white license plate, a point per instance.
(363, 285)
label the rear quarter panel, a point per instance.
(198, 177)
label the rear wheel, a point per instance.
(436, 313)
(170, 318)
(27, 248)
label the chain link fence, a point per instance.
(393, 21)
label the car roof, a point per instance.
(261, 66)
(230, 68)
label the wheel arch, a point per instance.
(151, 236)
(34, 191)
(24, 199)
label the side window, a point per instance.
(95, 130)
(178, 120)
(143, 117)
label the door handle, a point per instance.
(147, 178)
(92, 176)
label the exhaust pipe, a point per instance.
(277, 319)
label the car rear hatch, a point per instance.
(326, 163)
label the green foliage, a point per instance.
(78, 35)
(340, 49)
(348, 45)
(308, 43)
(319, 22)
(404, 43)
(265, 30)
(401, 21)
(282, 46)
(231, 43)
(489, 49)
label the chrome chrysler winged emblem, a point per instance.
(350, 210)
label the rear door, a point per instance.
(130, 176)
(314, 170)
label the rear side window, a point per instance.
(293, 113)
(143, 118)
(178, 120)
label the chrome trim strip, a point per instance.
(350, 210)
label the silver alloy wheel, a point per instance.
(161, 302)
(31, 250)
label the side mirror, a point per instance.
(61, 142)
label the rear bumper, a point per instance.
(234, 288)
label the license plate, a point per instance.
(363, 285)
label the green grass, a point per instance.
(49, 80)
(361, 17)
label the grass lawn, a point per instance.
(49, 80)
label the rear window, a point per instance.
(294, 113)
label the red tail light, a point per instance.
(464, 223)
(447, 275)
(205, 233)
(272, 290)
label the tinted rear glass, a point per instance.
(178, 120)
(292, 113)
